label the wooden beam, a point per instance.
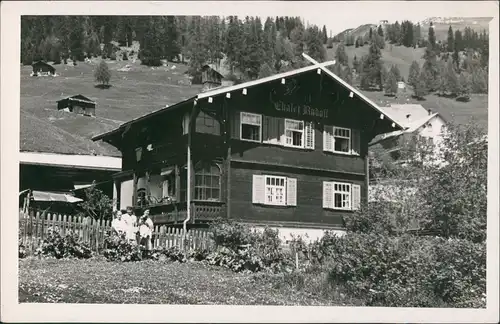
(134, 193)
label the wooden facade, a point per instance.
(78, 104)
(288, 150)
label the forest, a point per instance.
(253, 48)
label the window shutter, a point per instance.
(328, 138)
(258, 189)
(356, 196)
(309, 134)
(235, 125)
(291, 192)
(327, 194)
(356, 141)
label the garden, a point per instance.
(380, 261)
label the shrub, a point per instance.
(58, 246)
(232, 235)
(118, 248)
(405, 271)
(125, 56)
(22, 253)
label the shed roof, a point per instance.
(78, 97)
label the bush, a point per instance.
(125, 56)
(405, 271)
(22, 253)
(118, 248)
(58, 246)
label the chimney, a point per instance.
(408, 117)
(429, 111)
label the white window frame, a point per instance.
(242, 113)
(266, 187)
(346, 198)
(349, 139)
(300, 122)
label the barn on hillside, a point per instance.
(78, 104)
(210, 77)
(43, 68)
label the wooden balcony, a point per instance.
(176, 213)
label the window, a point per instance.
(207, 182)
(341, 195)
(274, 190)
(251, 127)
(341, 140)
(294, 133)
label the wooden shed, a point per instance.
(43, 68)
(210, 77)
(78, 104)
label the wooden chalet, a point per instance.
(210, 77)
(78, 104)
(42, 68)
(288, 150)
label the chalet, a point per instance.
(418, 122)
(287, 151)
(77, 104)
(41, 68)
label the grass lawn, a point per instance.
(151, 282)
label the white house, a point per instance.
(417, 121)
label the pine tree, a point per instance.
(390, 84)
(314, 44)
(265, 71)
(430, 66)
(76, 41)
(380, 31)
(451, 40)
(420, 89)
(451, 78)
(355, 63)
(441, 87)
(458, 42)
(372, 69)
(465, 87)
(102, 74)
(371, 33)
(325, 35)
(414, 74)
(341, 55)
(395, 71)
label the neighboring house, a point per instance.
(41, 68)
(77, 104)
(211, 78)
(288, 151)
(418, 123)
(66, 172)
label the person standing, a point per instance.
(118, 225)
(131, 221)
(146, 232)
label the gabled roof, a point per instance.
(401, 113)
(78, 97)
(42, 63)
(253, 83)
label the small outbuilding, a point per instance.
(210, 77)
(77, 104)
(41, 68)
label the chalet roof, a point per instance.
(250, 84)
(213, 68)
(78, 97)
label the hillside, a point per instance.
(133, 93)
(441, 25)
(391, 55)
(356, 32)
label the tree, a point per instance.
(442, 77)
(451, 40)
(479, 80)
(414, 74)
(380, 31)
(371, 70)
(76, 41)
(265, 71)
(102, 74)
(390, 84)
(341, 55)
(325, 35)
(458, 213)
(420, 89)
(371, 33)
(395, 71)
(465, 85)
(451, 79)
(96, 204)
(430, 65)
(355, 63)
(314, 44)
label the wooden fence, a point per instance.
(34, 228)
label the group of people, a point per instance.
(138, 230)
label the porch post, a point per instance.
(116, 204)
(134, 193)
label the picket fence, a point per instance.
(34, 228)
